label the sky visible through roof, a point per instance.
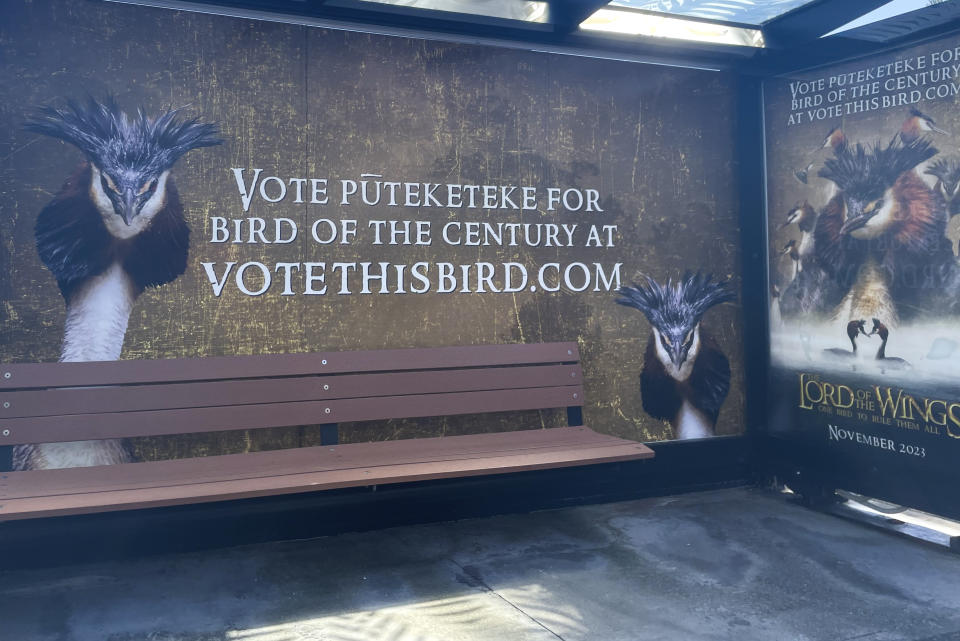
(745, 11)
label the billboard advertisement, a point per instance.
(863, 175)
(180, 184)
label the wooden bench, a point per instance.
(57, 402)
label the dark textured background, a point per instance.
(307, 102)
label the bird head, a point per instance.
(856, 327)
(916, 125)
(947, 173)
(879, 328)
(865, 177)
(792, 216)
(675, 311)
(131, 156)
(835, 139)
(803, 214)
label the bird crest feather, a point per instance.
(114, 141)
(674, 303)
(867, 171)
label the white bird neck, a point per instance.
(97, 315)
(691, 422)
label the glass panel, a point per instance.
(745, 11)
(509, 9)
(889, 10)
(635, 23)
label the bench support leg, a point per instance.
(329, 434)
(575, 416)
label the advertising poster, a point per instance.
(864, 188)
(179, 184)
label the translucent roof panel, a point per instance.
(752, 12)
(508, 9)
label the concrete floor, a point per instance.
(733, 564)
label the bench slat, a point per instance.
(307, 469)
(52, 429)
(83, 480)
(44, 375)
(127, 398)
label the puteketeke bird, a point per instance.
(803, 214)
(803, 174)
(790, 249)
(834, 140)
(805, 217)
(115, 228)
(947, 173)
(882, 228)
(685, 377)
(917, 125)
(886, 362)
(854, 329)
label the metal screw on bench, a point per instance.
(323, 362)
(326, 410)
(575, 396)
(6, 374)
(326, 387)
(570, 352)
(6, 432)
(6, 405)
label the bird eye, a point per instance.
(874, 205)
(666, 340)
(148, 188)
(107, 183)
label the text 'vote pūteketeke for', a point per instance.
(375, 209)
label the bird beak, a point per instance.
(855, 218)
(130, 209)
(852, 224)
(785, 223)
(938, 130)
(679, 358)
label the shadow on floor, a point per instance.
(732, 564)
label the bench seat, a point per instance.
(64, 402)
(160, 483)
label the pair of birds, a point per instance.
(858, 327)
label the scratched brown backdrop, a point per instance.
(309, 102)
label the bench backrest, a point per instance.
(55, 402)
